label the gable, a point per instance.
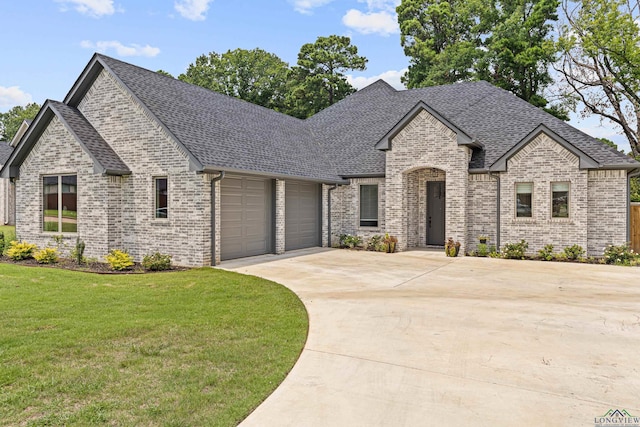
(539, 138)
(105, 160)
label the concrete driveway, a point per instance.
(418, 339)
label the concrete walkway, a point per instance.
(418, 339)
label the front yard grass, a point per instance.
(197, 347)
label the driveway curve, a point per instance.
(416, 338)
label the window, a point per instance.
(162, 206)
(524, 199)
(559, 200)
(369, 205)
(60, 203)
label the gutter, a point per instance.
(497, 176)
(631, 174)
(213, 216)
(329, 214)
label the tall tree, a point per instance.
(520, 49)
(442, 38)
(600, 62)
(11, 120)
(254, 75)
(318, 80)
(506, 42)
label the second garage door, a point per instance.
(302, 215)
(245, 216)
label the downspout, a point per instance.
(633, 174)
(213, 217)
(329, 214)
(7, 195)
(497, 176)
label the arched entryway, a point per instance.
(426, 203)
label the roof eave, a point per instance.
(218, 169)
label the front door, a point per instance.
(435, 212)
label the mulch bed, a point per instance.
(88, 267)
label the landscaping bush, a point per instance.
(46, 256)
(156, 262)
(374, 243)
(1, 242)
(350, 241)
(19, 251)
(483, 249)
(620, 255)
(546, 253)
(119, 260)
(515, 250)
(574, 253)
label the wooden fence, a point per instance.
(634, 219)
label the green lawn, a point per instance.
(9, 232)
(200, 347)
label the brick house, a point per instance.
(135, 160)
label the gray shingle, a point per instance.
(225, 132)
(89, 136)
(5, 152)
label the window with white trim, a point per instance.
(60, 203)
(161, 197)
(369, 205)
(560, 199)
(524, 199)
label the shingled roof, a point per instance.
(219, 132)
(5, 152)
(493, 117)
(226, 133)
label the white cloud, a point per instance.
(12, 96)
(194, 10)
(120, 49)
(392, 77)
(305, 6)
(94, 8)
(388, 5)
(383, 23)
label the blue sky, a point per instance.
(47, 43)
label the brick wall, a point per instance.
(607, 218)
(149, 152)
(481, 209)
(542, 162)
(57, 152)
(425, 143)
(345, 210)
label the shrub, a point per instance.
(350, 241)
(620, 255)
(574, 252)
(156, 262)
(515, 250)
(483, 249)
(1, 242)
(546, 253)
(374, 243)
(390, 243)
(18, 251)
(46, 256)
(119, 260)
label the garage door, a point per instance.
(302, 215)
(245, 216)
